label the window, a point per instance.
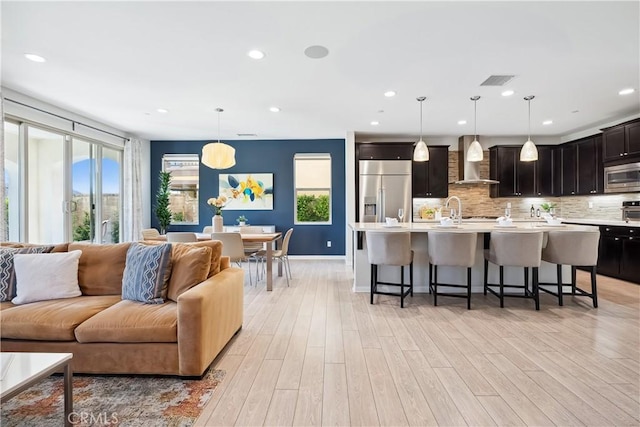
(312, 183)
(185, 181)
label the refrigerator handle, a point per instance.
(381, 204)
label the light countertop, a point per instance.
(592, 221)
(478, 227)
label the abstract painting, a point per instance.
(247, 191)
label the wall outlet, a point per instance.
(590, 205)
(328, 243)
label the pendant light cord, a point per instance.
(421, 119)
(218, 125)
(529, 102)
(475, 120)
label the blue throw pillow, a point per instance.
(7, 272)
(146, 273)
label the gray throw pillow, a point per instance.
(146, 273)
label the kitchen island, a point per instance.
(419, 234)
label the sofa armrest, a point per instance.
(209, 314)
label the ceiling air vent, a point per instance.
(246, 134)
(497, 80)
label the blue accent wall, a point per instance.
(267, 156)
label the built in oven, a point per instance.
(631, 211)
(622, 178)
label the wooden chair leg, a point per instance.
(501, 287)
(559, 275)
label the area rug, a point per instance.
(113, 401)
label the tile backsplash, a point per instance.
(477, 202)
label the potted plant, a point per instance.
(549, 208)
(163, 213)
(241, 220)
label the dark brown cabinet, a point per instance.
(621, 142)
(568, 169)
(384, 151)
(518, 178)
(589, 169)
(430, 179)
(619, 252)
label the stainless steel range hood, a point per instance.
(469, 171)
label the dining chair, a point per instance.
(150, 234)
(233, 247)
(181, 237)
(208, 229)
(392, 249)
(282, 255)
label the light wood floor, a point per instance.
(317, 354)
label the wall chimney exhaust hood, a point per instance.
(469, 171)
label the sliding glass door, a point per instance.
(110, 170)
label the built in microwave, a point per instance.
(622, 178)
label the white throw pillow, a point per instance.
(41, 277)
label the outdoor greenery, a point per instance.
(163, 213)
(311, 208)
(82, 231)
(115, 231)
(178, 217)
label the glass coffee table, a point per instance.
(22, 370)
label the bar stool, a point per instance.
(515, 249)
(575, 248)
(390, 248)
(455, 249)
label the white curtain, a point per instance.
(3, 214)
(132, 209)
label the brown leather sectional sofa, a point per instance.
(108, 335)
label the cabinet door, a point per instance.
(568, 154)
(506, 163)
(544, 172)
(438, 172)
(526, 178)
(629, 265)
(587, 171)
(613, 144)
(419, 178)
(609, 253)
(399, 151)
(556, 154)
(632, 134)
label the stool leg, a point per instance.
(435, 285)
(526, 281)
(402, 286)
(573, 280)
(536, 294)
(594, 289)
(411, 277)
(501, 287)
(486, 275)
(559, 275)
(468, 288)
(430, 276)
(373, 278)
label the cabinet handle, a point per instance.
(573, 192)
(607, 229)
(621, 154)
(630, 238)
(631, 231)
(616, 238)
(626, 154)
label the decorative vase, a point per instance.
(242, 223)
(217, 224)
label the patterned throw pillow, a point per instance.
(146, 273)
(7, 272)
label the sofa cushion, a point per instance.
(216, 253)
(132, 321)
(189, 266)
(53, 320)
(101, 267)
(146, 273)
(41, 277)
(7, 271)
(6, 304)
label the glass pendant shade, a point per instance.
(217, 155)
(529, 152)
(474, 153)
(421, 152)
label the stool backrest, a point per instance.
(452, 248)
(181, 237)
(572, 247)
(389, 248)
(519, 249)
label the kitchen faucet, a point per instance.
(459, 216)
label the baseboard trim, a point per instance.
(318, 257)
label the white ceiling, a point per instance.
(117, 62)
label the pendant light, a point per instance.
(529, 152)
(474, 153)
(217, 155)
(421, 152)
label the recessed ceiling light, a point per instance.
(35, 58)
(162, 110)
(575, 111)
(507, 93)
(626, 91)
(274, 109)
(547, 122)
(462, 122)
(375, 123)
(255, 54)
(316, 52)
(390, 93)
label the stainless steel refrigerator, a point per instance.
(385, 187)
